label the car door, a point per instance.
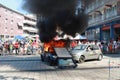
(96, 51)
(89, 52)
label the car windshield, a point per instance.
(80, 47)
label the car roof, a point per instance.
(88, 44)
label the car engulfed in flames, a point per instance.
(55, 53)
(49, 46)
(49, 54)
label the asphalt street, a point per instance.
(30, 67)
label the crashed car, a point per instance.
(85, 52)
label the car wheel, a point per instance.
(100, 57)
(49, 61)
(81, 59)
(42, 59)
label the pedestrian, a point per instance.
(1, 48)
(16, 47)
(25, 47)
(33, 45)
(7, 47)
(11, 48)
(73, 44)
(110, 46)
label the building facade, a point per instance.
(29, 28)
(104, 19)
(11, 23)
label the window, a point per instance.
(12, 36)
(95, 47)
(6, 29)
(7, 36)
(1, 36)
(11, 21)
(11, 29)
(80, 47)
(77, 48)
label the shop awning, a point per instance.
(117, 26)
(105, 28)
(108, 27)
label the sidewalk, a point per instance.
(112, 55)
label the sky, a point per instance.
(14, 4)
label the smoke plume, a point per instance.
(57, 14)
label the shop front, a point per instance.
(111, 32)
(108, 32)
(93, 33)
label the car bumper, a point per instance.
(76, 57)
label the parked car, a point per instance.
(84, 52)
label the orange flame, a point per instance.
(49, 46)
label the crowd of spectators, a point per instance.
(19, 47)
(112, 46)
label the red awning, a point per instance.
(106, 28)
(117, 26)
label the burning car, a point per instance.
(56, 53)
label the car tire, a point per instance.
(49, 61)
(81, 59)
(100, 57)
(42, 58)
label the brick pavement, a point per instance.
(31, 68)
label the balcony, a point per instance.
(30, 29)
(29, 22)
(112, 15)
(98, 4)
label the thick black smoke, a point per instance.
(57, 13)
(49, 7)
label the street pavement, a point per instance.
(30, 67)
